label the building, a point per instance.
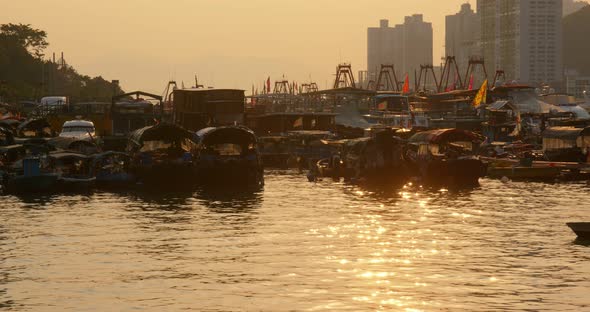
(577, 85)
(462, 36)
(195, 109)
(523, 38)
(406, 46)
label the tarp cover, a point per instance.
(565, 133)
(445, 135)
(159, 132)
(231, 134)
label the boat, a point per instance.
(31, 178)
(379, 158)
(162, 155)
(229, 155)
(526, 169)
(111, 170)
(73, 169)
(582, 229)
(78, 129)
(570, 144)
(446, 157)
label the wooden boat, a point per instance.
(535, 170)
(73, 169)
(229, 155)
(32, 179)
(582, 229)
(446, 157)
(162, 155)
(111, 169)
(373, 159)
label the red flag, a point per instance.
(268, 85)
(406, 88)
(471, 82)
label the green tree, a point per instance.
(33, 40)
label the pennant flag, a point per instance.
(470, 82)
(481, 94)
(268, 85)
(406, 88)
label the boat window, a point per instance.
(434, 149)
(149, 146)
(78, 129)
(423, 150)
(226, 149)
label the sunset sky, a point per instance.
(227, 43)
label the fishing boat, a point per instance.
(162, 155)
(582, 229)
(446, 157)
(31, 177)
(378, 158)
(73, 169)
(111, 170)
(526, 169)
(229, 155)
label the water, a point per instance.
(298, 246)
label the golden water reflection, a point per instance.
(299, 246)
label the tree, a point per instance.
(33, 40)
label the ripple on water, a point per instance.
(298, 246)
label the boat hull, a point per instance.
(33, 184)
(582, 229)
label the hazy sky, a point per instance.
(227, 43)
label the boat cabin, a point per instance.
(444, 142)
(274, 123)
(566, 143)
(195, 109)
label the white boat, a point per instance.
(79, 129)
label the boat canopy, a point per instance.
(32, 127)
(161, 132)
(230, 134)
(71, 143)
(68, 156)
(445, 135)
(565, 133)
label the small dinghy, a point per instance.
(582, 229)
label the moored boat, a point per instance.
(229, 155)
(446, 157)
(111, 170)
(582, 229)
(162, 155)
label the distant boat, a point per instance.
(582, 229)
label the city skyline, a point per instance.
(143, 44)
(226, 43)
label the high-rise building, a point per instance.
(523, 38)
(406, 46)
(462, 35)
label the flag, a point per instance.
(481, 95)
(470, 83)
(268, 85)
(406, 88)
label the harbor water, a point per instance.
(298, 246)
